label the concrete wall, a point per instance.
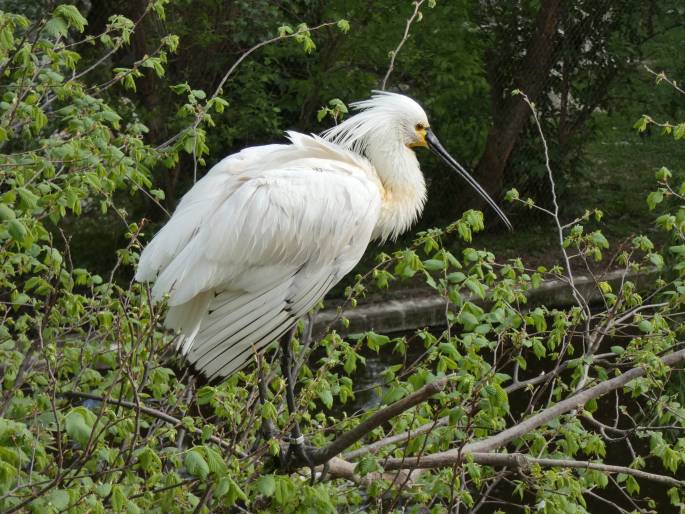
(427, 309)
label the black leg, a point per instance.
(268, 429)
(296, 444)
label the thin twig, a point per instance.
(393, 53)
(154, 413)
(235, 65)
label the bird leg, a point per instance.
(267, 425)
(267, 430)
(297, 445)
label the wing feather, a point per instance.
(225, 330)
(232, 357)
(230, 354)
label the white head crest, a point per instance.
(381, 116)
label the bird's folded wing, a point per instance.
(254, 262)
(196, 208)
(269, 226)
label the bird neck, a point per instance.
(403, 188)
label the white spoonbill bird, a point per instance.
(260, 240)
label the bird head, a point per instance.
(390, 117)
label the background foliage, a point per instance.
(106, 118)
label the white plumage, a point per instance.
(259, 241)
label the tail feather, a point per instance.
(187, 318)
(206, 347)
(228, 359)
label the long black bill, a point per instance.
(439, 150)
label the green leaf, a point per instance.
(285, 491)
(393, 394)
(511, 195)
(149, 460)
(196, 464)
(6, 213)
(17, 230)
(29, 201)
(367, 464)
(56, 27)
(265, 485)
(72, 16)
(456, 277)
(284, 30)
(269, 411)
(234, 492)
(132, 508)
(103, 489)
(118, 498)
(539, 349)
(679, 131)
(645, 326)
(476, 287)
(375, 341)
(598, 239)
(59, 499)
(77, 428)
(434, 264)
(215, 461)
(326, 396)
(641, 124)
(654, 198)
(350, 362)
(344, 26)
(468, 320)
(674, 496)
(222, 487)
(449, 350)
(632, 486)
(663, 174)
(657, 260)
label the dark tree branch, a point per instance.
(347, 439)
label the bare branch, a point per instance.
(662, 77)
(393, 53)
(234, 66)
(427, 427)
(341, 468)
(524, 462)
(396, 439)
(506, 436)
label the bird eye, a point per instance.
(419, 126)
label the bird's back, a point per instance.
(257, 243)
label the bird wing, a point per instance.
(195, 208)
(259, 254)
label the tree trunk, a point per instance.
(510, 113)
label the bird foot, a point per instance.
(300, 453)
